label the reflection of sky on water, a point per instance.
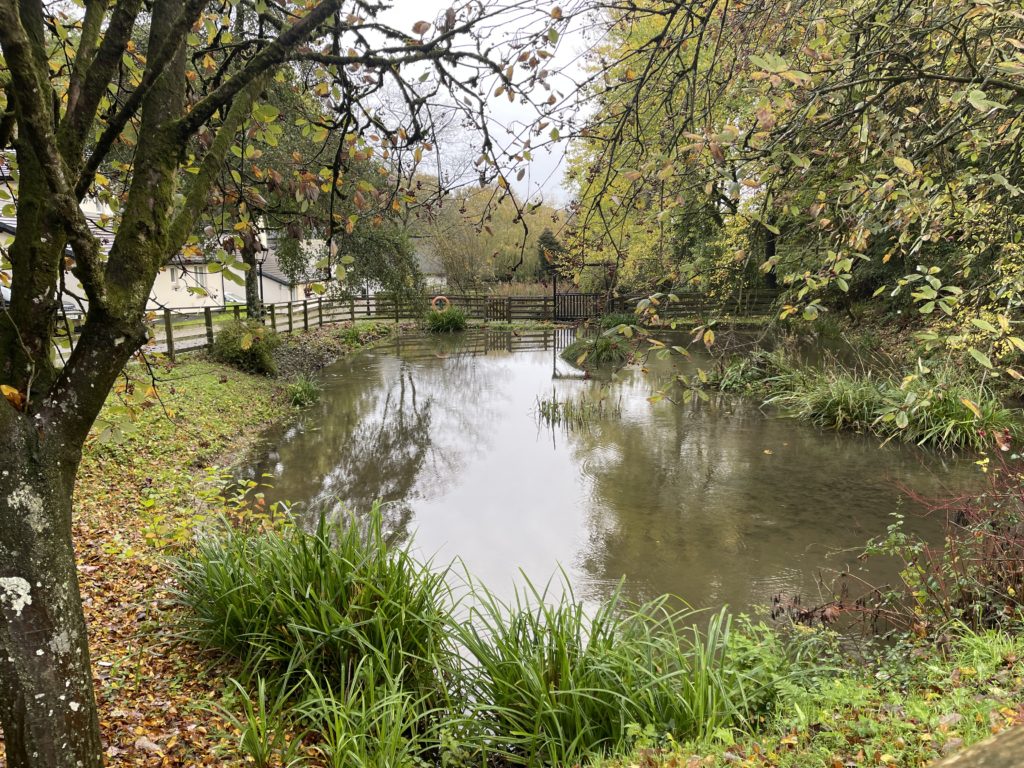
(709, 498)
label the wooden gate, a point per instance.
(577, 306)
(498, 309)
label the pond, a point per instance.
(710, 499)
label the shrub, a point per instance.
(606, 350)
(975, 575)
(247, 345)
(303, 391)
(446, 321)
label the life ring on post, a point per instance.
(440, 303)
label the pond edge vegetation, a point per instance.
(164, 508)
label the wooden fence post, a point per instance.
(305, 314)
(169, 331)
(273, 316)
(290, 318)
(208, 317)
(352, 310)
(238, 312)
(320, 311)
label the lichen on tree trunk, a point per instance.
(47, 710)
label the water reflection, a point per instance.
(710, 499)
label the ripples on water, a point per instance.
(709, 499)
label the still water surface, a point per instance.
(712, 500)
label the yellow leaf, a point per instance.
(972, 406)
(14, 397)
(903, 164)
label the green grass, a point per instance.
(372, 656)
(937, 408)
(290, 604)
(446, 321)
(557, 685)
(907, 707)
(615, 319)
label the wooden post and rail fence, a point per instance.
(177, 330)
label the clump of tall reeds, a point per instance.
(938, 407)
(607, 350)
(576, 412)
(378, 661)
(934, 407)
(447, 320)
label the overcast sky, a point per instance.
(544, 177)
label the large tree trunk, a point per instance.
(47, 711)
(253, 301)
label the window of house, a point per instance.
(200, 273)
(174, 275)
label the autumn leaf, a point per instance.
(14, 397)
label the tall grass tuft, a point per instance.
(556, 684)
(446, 321)
(303, 391)
(606, 350)
(293, 604)
(615, 319)
(577, 412)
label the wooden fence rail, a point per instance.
(176, 330)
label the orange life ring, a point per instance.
(438, 300)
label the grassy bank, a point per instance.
(912, 705)
(151, 470)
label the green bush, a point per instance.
(303, 391)
(446, 321)
(247, 345)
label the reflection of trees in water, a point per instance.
(388, 428)
(712, 500)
